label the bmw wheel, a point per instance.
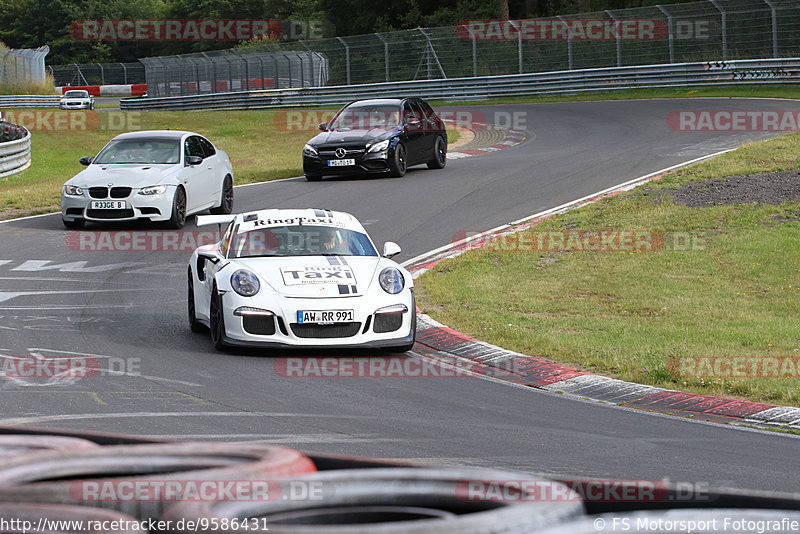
(226, 202)
(178, 218)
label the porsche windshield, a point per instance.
(165, 151)
(383, 117)
(282, 241)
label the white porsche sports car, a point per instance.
(299, 278)
(160, 175)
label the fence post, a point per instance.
(385, 54)
(519, 44)
(724, 29)
(569, 41)
(474, 55)
(346, 57)
(671, 32)
(774, 29)
(616, 33)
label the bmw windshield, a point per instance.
(153, 151)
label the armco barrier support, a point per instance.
(15, 156)
(745, 72)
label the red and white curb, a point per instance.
(511, 138)
(136, 89)
(489, 360)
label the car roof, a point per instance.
(292, 217)
(161, 134)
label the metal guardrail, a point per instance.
(15, 156)
(29, 101)
(758, 71)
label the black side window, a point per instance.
(208, 148)
(192, 147)
(411, 111)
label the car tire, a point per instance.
(75, 224)
(216, 320)
(178, 218)
(226, 201)
(194, 324)
(440, 155)
(313, 177)
(398, 163)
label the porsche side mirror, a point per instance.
(391, 249)
(194, 160)
(323, 126)
(86, 160)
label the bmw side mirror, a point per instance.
(194, 160)
(86, 160)
(391, 249)
(323, 126)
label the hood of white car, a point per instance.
(314, 276)
(129, 175)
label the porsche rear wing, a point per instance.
(205, 220)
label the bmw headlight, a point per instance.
(391, 280)
(379, 147)
(73, 191)
(245, 283)
(153, 190)
(309, 150)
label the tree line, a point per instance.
(34, 23)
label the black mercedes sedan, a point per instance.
(377, 136)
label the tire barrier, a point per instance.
(393, 500)
(702, 521)
(141, 480)
(13, 444)
(19, 518)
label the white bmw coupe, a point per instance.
(299, 278)
(160, 175)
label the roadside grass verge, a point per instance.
(259, 150)
(725, 285)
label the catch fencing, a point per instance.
(22, 67)
(769, 71)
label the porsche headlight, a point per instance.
(379, 147)
(391, 280)
(73, 191)
(153, 190)
(245, 283)
(309, 150)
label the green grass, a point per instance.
(733, 292)
(259, 147)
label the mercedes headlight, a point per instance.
(245, 283)
(379, 147)
(73, 191)
(309, 150)
(153, 190)
(391, 280)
